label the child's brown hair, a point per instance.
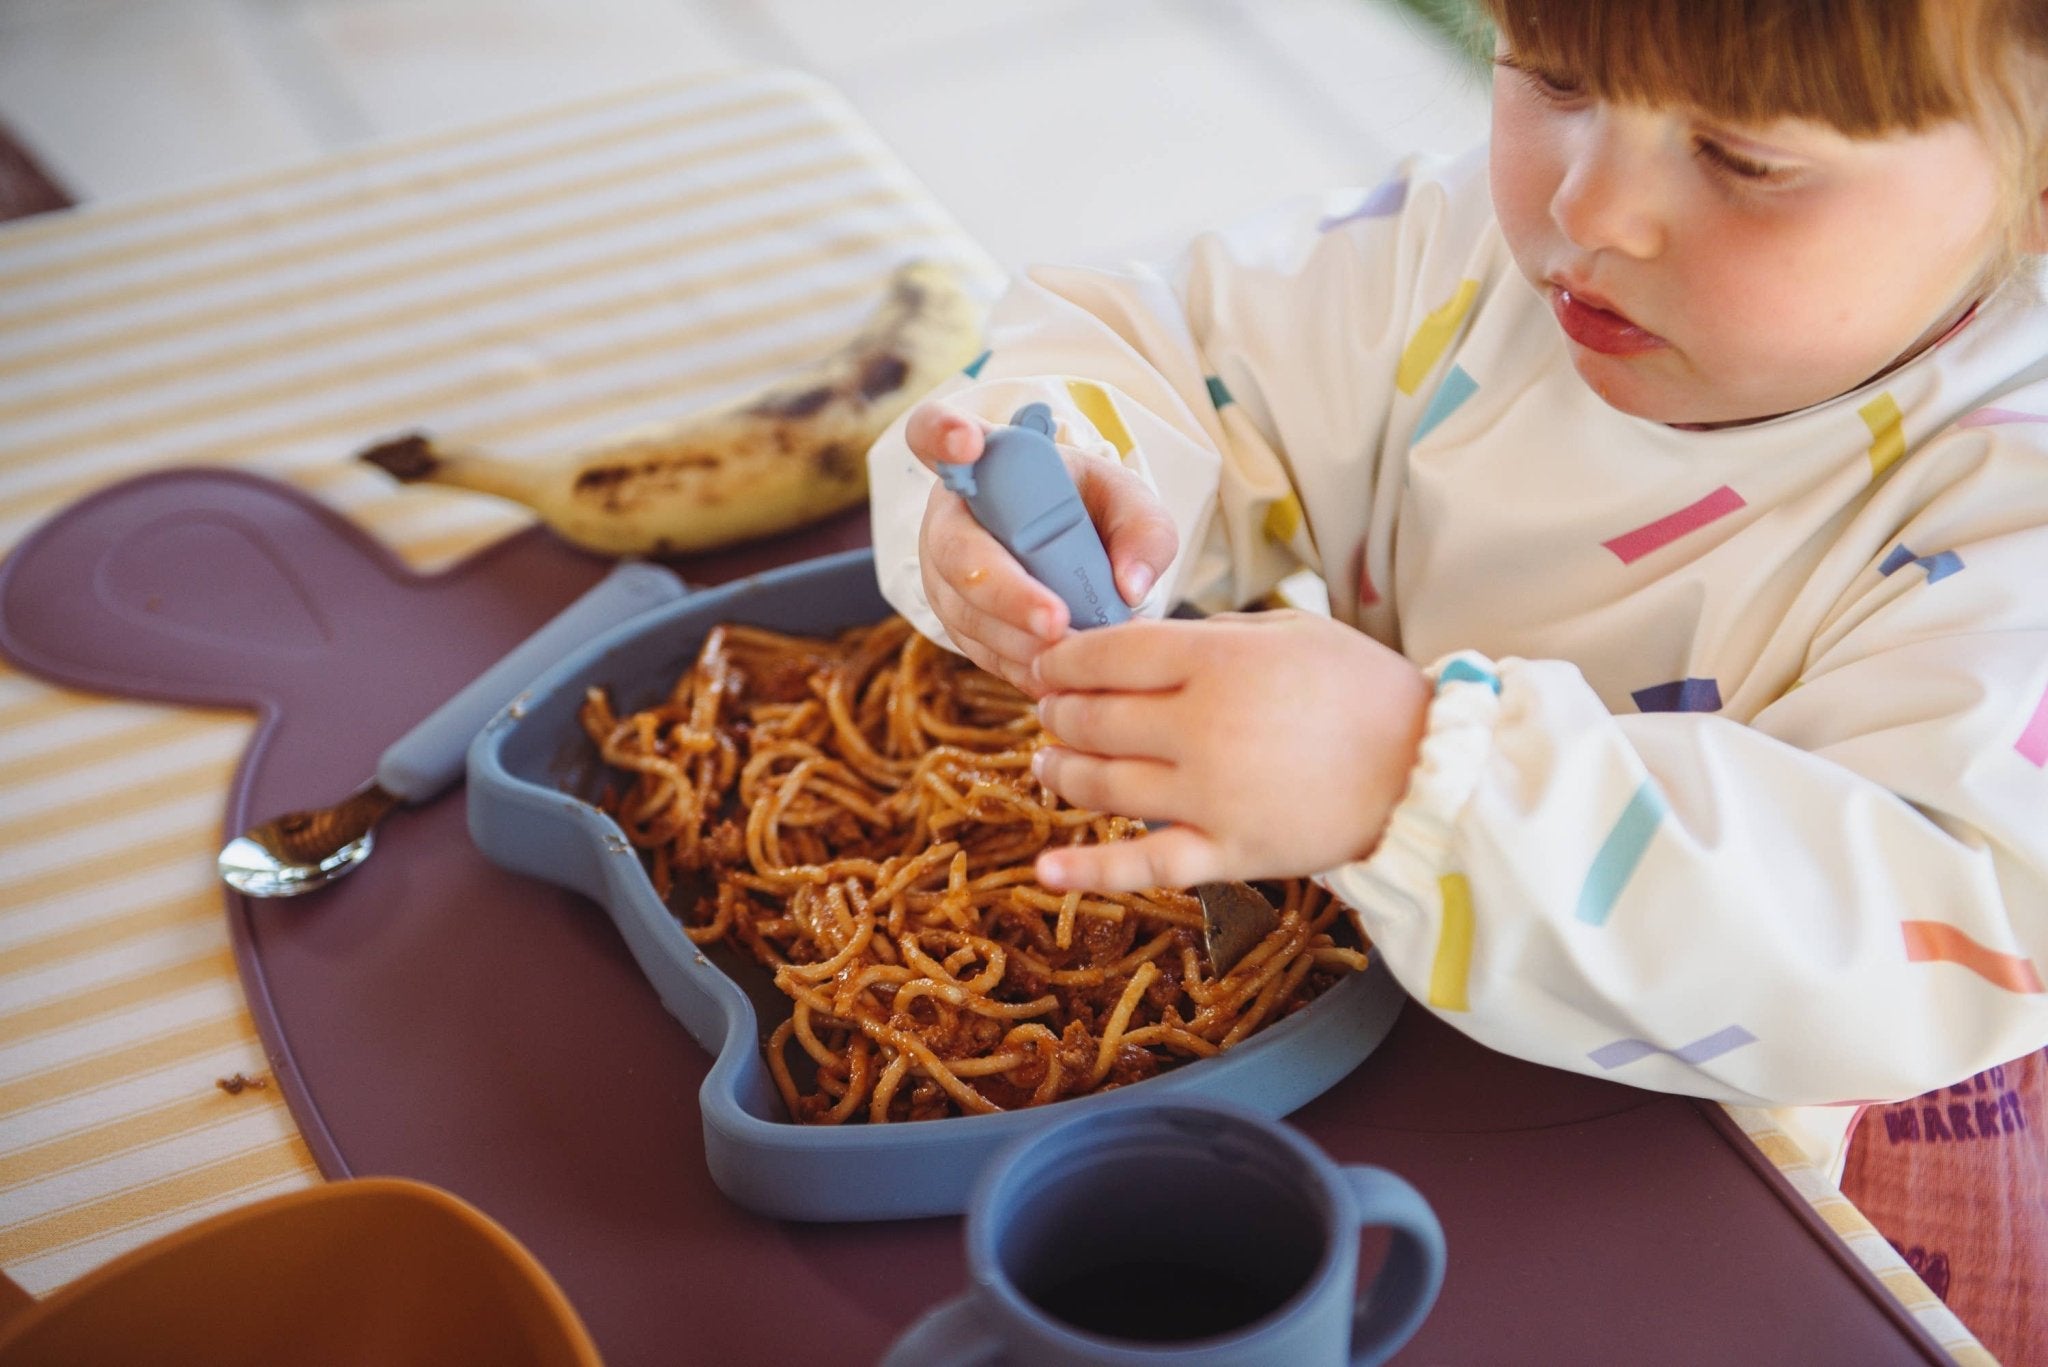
(1866, 67)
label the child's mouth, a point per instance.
(1600, 329)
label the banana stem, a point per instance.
(418, 459)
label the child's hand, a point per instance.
(998, 615)
(1276, 742)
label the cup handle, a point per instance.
(1394, 1306)
(955, 1334)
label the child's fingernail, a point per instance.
(957, 439)
(1050, 870)
(1042, 623)
(1038, 765)
(1137, 579)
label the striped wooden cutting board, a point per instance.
(529, 284)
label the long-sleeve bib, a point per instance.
(1736, 779)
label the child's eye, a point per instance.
(1739, 166)
(1548, 84)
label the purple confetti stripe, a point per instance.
(1681, 695)
(1383, 201)
(1939, 566)
(1626, 1051)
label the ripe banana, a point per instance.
(778, 460)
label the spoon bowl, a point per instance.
(301, 851)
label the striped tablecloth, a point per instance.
(528, 285)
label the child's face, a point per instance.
(1706, 273)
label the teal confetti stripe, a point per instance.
(1464, 671)
(1456, 388)
(1620, 853)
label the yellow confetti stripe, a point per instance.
(1428, 344)
(1447, 976)
(1887, 432)
(1283, 520)
(1095, 406)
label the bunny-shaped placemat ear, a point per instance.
(194, 585)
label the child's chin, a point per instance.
(1626, 389)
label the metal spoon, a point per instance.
(300, 851)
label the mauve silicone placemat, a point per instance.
(436, 1018)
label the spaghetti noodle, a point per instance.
(859, 815)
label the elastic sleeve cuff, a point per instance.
(1414, 852)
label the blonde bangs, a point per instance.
(1866, 67)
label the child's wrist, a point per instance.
(1457, 736)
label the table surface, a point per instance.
(528, 284)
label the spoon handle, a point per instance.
(1023, 496)
(429, 757)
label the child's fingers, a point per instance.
(1016, 673)
(1000, 649)
(1135, 526)
(1176, 857)
(1142, 788)
(936, 433)
(1123, 725)
(1141, 656)
(987, 579)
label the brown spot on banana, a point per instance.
(801, 404)
(618, 485)
(834, 462)
(882, 374)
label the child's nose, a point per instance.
(1609, 198)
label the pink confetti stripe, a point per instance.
(2033, 742)
(1998, 417)
(1633, 546)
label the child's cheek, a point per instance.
(1524, 177)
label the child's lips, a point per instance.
(1596, 327)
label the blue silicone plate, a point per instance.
(529, 772)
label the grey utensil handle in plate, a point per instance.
(429, 757)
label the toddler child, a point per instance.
(1678, 470)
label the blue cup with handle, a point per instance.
(1187, 1232)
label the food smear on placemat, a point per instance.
(858, 814)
